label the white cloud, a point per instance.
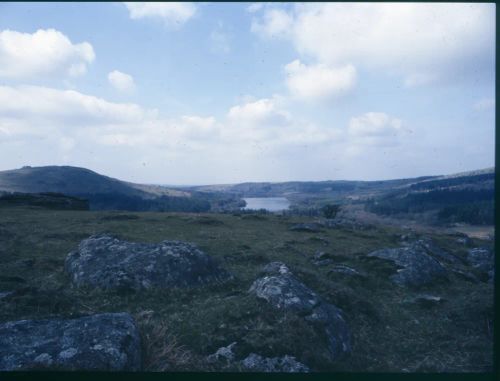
(172, 13)
(319, 81)
(266, 123)
(275, 23)
(422, 43)
(121, 81)
(219, 41)
(46, 52)
(374, 124)
(263, 112)
(65, 106)
(484, 104)
(257, 140)
(254, 7)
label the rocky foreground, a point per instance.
(292, 311)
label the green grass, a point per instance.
(185, 325)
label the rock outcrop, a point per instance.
(482, 260)
(106, 262)
(103, 342)
(417, 267)
(285, 292)
(285, 364)
(435, 251)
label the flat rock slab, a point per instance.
(285, 292)
(102, 342)
(107, 262)
(417, 267)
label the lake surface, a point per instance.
(272, 204)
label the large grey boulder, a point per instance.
(285, 292)
(109, 263)
(107, 342)
(417, 267)
(285, 364)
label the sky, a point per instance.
(214, 93)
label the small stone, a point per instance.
(223, 353)
(276, 268)
(68, 353)
(285, 364)
(310, 227)
(426, 300)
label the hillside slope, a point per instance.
(464, 197)
(102, 192)
(63, 179)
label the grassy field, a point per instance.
(180, 327)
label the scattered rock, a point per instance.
(322, 259)
(286, 364)
(344, 223)
(418, 268)
(6, 294)
(321, 240)
(408, 237)
(109, 263)
(324, 262)
(346, 270)
(311, 227)
(433, 250)
(481, 259)
(276, 268)
(320, 255)
(466, 276)
(223, 354)
(285, 292)
(104, 342)
(466, 241)
(491, 276)
(426, 300)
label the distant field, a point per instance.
(389, 334)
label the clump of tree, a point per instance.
(478, 213)
(474, 206)
(115, 201)
(48, 200)
(330, 210)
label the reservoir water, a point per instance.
(272, 204)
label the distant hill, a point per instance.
(467, 196)
(63, 179)
(101, 191)
(463, 197)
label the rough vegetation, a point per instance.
(443, 326)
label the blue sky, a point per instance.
(199, 93)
